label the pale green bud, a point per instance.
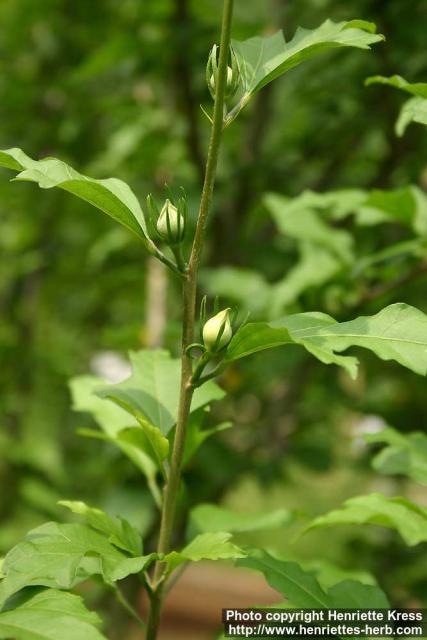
(229, 79)
(170, 224)
(212, 329)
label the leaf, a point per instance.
(407, 518)
(47, 614)
(147, 439)
(303, 590)
(356, 595)
(263, 59)
(113, 421)
(407, 205)
(196, 435)
(288, 578)
(404, 455)
(314, 268)
(336, 204)
(249, 288)
(398, 332)
(153, 389)
(60, 555)
(118, 530)
(415, 109)
(206, 546)
(306, 225)
(329, 574)
(415, 89)
(112, 196)
(209, 517)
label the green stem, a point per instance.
(189, 314)
(126, 605)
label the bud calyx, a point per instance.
(170, 225)
(233, 75)
(217, 331)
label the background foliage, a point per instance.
(114, 89)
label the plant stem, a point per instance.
(129, 608)
(189, 312)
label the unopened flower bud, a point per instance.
(233, 74)
(217, 331)
(229, 80)
(170, 224)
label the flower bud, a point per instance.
(217, 331)
(233, 74)
(229, 80)
(170, 224)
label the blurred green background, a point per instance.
(114, 88)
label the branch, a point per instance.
(189, 311)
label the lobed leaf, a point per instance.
(416, 89)
(210, 517)
(351, 594)
(305, 225)
(118, 530)
(405, 454)
(206, 546)
(60, 555)
(404, 205)
(263, 59)
(415, 109)
(409, 519)
(301, 588)
(398, 332)
(112, 196)
(153, 389)
(196, 434)
(47, 614)
(113, 421)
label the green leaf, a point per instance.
(329, 574)
(416, 89)
(147, 439)
(209, 517)
(356, 595)
(153, 389)
(206, 546)
(47, 614)
(196, 435)
(113, 421)
(415, 109)
(409, 519)
(118, 530)
(404, 455)
(335, 204)
(263, 59)
(398, 332)
(315, 268)
(300, 587)
(249, 288)
(306, 225)
(113, 197)
(407, 205)
(60, 555)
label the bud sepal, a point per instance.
(170, 222)
(233, 73)
(217, 331)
